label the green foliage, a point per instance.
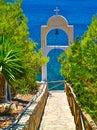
(10, 60)
(79, 67)
(13, 23)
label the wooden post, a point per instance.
(78, 121)
(2, 88)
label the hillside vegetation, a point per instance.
(14, 30)
(79, 67)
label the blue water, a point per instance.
(77, 12)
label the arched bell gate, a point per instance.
(54, 22)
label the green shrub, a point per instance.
(79, 67)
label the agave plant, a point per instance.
(10, 66)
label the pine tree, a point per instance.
(79, 67)
(13, 23)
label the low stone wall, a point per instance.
(32, 116)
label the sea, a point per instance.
(78, 13)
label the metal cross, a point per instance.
(56, 10)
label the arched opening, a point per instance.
(53, 69)
(57, 37)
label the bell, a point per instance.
(56, 32)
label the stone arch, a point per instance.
(59, 22)
(56, 21)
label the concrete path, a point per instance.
(57, 114)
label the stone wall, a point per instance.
(32, 116)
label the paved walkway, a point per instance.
(57, 115)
